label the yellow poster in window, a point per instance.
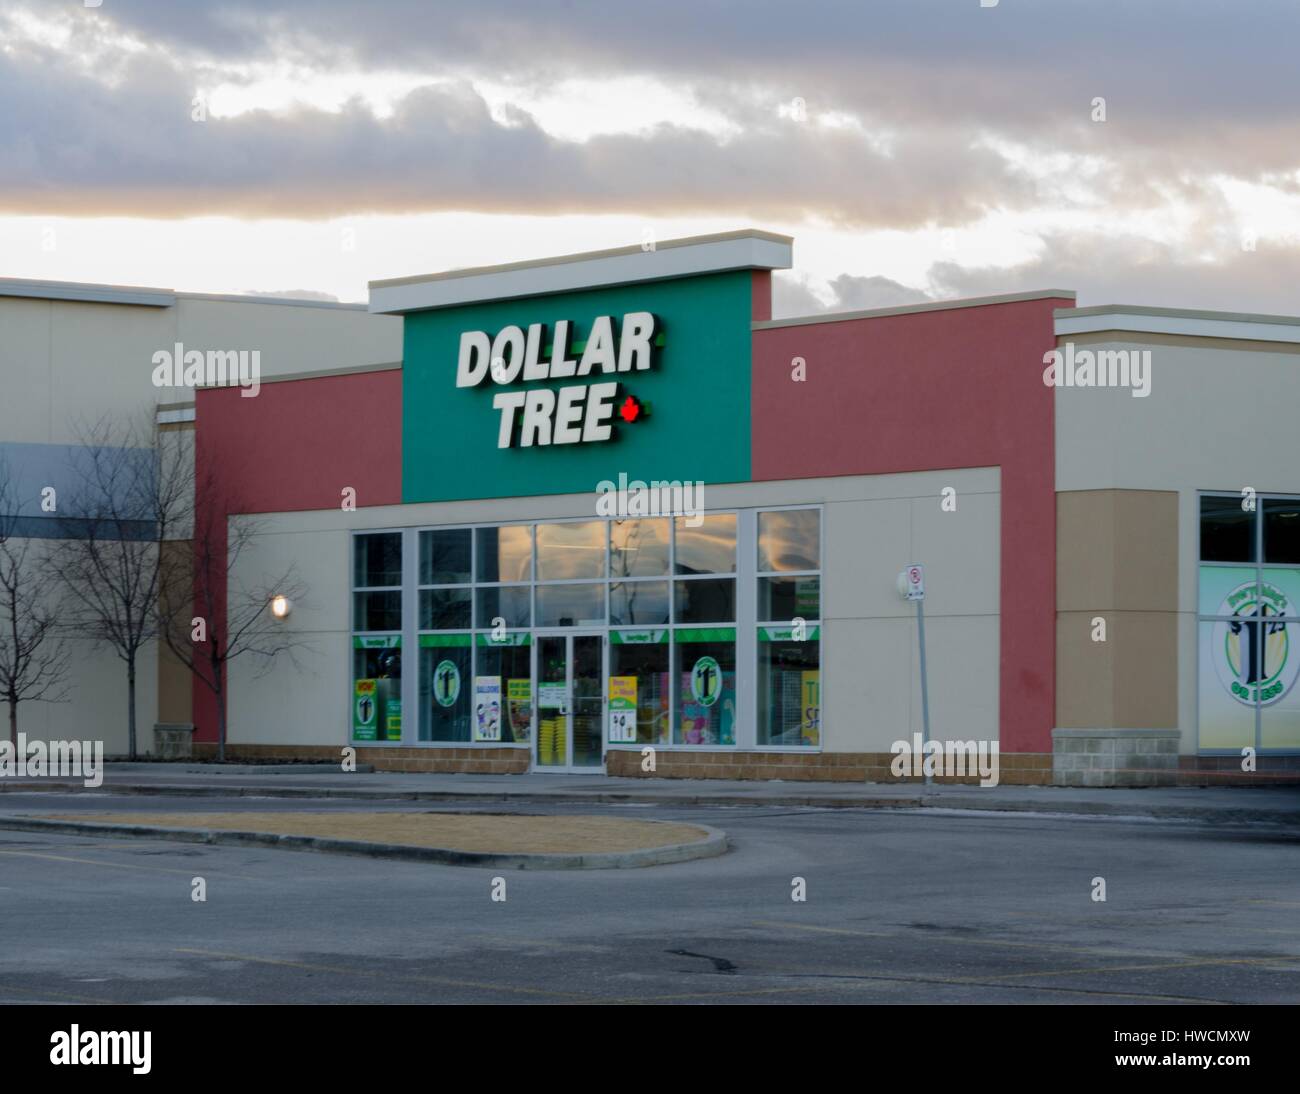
(811, 706)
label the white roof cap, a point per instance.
(749, 249)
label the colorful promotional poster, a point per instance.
(487, 708)
(519, 707)
(622, 709)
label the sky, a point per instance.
(1135, 151)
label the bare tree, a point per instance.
(208, 623)
(133, 500)
(33, 651)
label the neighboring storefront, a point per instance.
(609, 516)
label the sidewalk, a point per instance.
(1276, 805)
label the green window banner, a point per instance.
(444, 641)
(376, 642)
(786, 634)
(638, 638)
(515, 638)
(706, 634)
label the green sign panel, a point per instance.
(555, 394)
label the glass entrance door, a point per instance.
(570, 702)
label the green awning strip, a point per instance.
(440, 641)
(786, 634)
(514, 639)
(638, 638)
(706, 634)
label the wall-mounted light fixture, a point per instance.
(280, 606)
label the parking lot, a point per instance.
(900, 907)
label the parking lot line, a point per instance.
(385, 975)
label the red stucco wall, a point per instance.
(296, 445)
(931, 390)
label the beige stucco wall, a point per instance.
(872, 527)
(1117, 563)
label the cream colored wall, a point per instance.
(66, 361)
(1221, 416)
(873, 526)
(95, 705)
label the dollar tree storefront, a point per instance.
(607, 516)
(669, 604)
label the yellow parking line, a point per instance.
(963, 941)
(443, 980)
(132, 866)
(1144, 968)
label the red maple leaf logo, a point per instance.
(631, 408)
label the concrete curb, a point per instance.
(715, 843)
(919, 800)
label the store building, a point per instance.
(606, 504)
(75, 357)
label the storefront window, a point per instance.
(705, 600)
(377, 611)
(507, 603)
(446, 687)
(789, 539)
(638, 603)
(661, 601)
(789, 657)
(1248, 662)
(785, 598)
(445, 557)
(709, 548)
(503, 687)
(571, 551)
(571, 605)
(377, 688)
(638, 548)
(704, 664)
(789, 686)
(1281, 531)
(504, 554)
(377, 657)
(377, 560)
(639, 693)
(444, 609)
(1227, 530)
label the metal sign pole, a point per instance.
(925, 690)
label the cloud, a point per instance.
(930, 96)
(1130, 270)
(793, 295)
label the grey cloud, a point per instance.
(71, 146)
(1130, 270)
(793, 296)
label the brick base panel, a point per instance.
(457, 761)
(1015, 768)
